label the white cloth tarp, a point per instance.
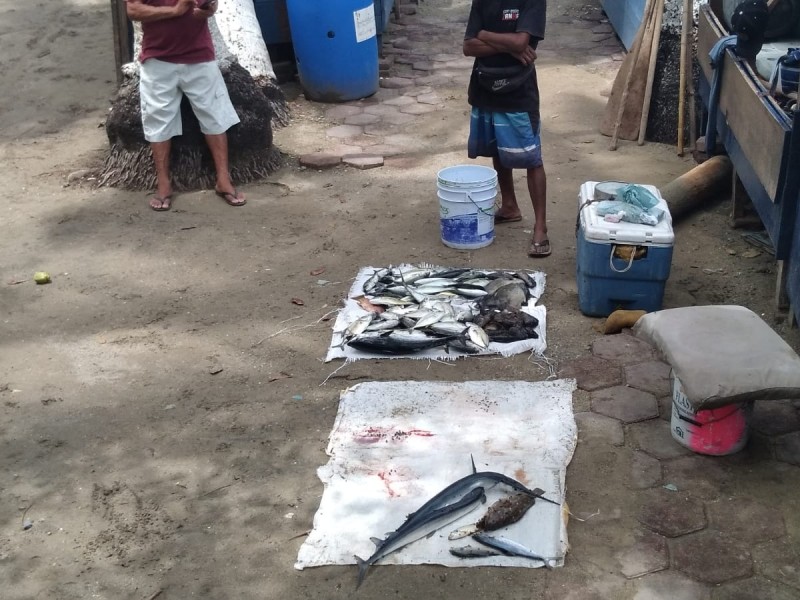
(394, 445)
(353, 311)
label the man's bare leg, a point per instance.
(509, 209)
(163, 197)
(537, 187)
(218, 145)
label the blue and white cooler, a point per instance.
(621, 265)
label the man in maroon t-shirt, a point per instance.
(177, 58)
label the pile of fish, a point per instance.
(411, 309)
(452, 503)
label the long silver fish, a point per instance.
(511, 548)
(472, 552)
(421, 523)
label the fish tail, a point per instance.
(363, 566)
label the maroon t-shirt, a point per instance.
(183, 40)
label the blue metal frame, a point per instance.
(780, 216)
(625, 17)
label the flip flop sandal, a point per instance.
(501, 219)
(229, 197)
(539, 249)
(162, 200)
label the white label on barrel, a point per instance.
(365, 23)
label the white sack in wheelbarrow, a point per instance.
(723, 354)
(395, 445)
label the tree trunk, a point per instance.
(245, 65)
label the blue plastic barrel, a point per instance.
(335, 47)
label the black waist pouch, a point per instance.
(502, 80)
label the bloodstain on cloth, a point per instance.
(373, 435)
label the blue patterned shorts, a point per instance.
(507, 135)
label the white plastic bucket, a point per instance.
(716, 432)
(466, 205)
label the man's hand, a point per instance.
(182, 7)
(526, 57)
(204, 10)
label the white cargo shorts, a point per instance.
(161, 87)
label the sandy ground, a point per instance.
(163, 405)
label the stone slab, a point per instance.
(592, 373)
(418, 109)
(745, 519)
(386, 149)
(698, 475)
(645, 471)
(671, 514)
(345, 131)
(320, 160)
(597, 429)
(381, 109)
(755, 587)
(396, 82)
(654, 437)
(363, 161)
(648, 555)
(669, 585)
(622, 348)
(779, 560)
(362, 119)
(398, 118)
(776, 417)
(432, 98)
(401, 101)
(651, 376)
(711, 557)
(627, 404)
(342, 111)
(787, 448)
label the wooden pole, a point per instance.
(651, 71)
(682, 81)
(690, 85)
(646, 22)
(119, 24)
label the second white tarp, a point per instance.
(394, 445)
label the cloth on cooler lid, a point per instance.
(723, 354)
